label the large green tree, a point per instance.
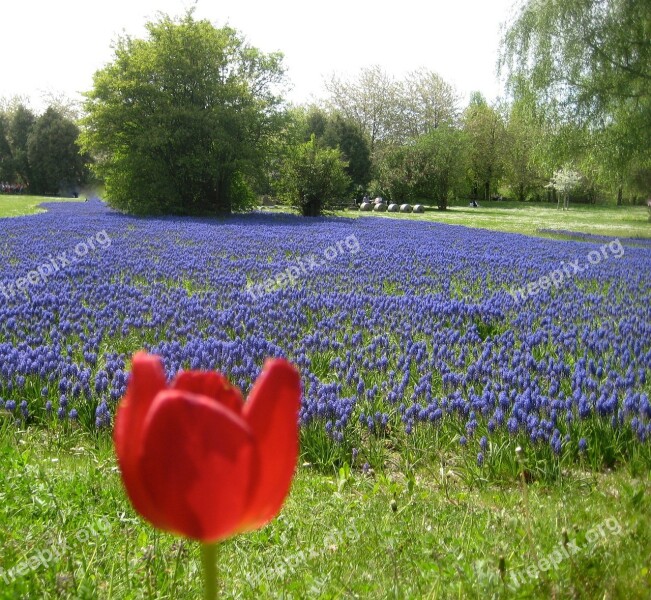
(55, 162)
(181, 122)
(525, 143)
(21, 121)
(587, 63)
(486, 134)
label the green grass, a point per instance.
(397, 534)
(12, 205)
(529, 217)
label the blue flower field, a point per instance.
(407, 334)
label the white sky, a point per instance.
(56, 46)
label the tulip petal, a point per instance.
(146, 381)
(272, 414)
(211, 384)
(198, 461)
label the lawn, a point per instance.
(457, 440)
(12, 205)
(529, 218)
(585, 536)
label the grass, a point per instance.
(12, 205)
(528, 218)
(341, 535)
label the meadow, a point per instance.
(541, 219)
(475, 420)
(18, 205)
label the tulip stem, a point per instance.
(209, 561)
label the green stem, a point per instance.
(209, 562)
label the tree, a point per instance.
(524, 135)
(55, 162)
(443, 155)
(588, 62)
(564, 181)
(430, 168)
(21, 121)
(371, 100)
(345, 135)
(181, 122)
(7, 171)
(333, 130)
(486, 135)
(312, 178)
(428, 102)
(392, 112)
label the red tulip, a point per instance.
(198, 461)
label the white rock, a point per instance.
(366, 206)
(406, 208)
(380, 207)
(393, 208)
(419, 208)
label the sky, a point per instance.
(54, 48)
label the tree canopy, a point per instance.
(429, 169)
(54, 158)
(587, 63)
(332, 130)
(486, 134)
(21, 120)
(181, 122)
(391, 111)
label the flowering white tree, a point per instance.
(564, 181)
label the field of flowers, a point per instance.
(408, 334)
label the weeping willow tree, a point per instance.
(587, 64)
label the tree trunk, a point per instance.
(312, 208)
(487, 190)
(217, 198)
(619, 196)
